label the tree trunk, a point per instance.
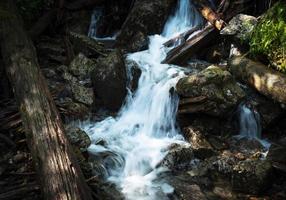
(58, 171)
(204, 7)
(265, 80)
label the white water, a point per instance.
(137, 139)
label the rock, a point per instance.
(251, 176)
(212, 91)
(79, 21)
(81, 66)
(72, 110)
(82, 94)
(146, 18)
(109, 80)
(201, 147)
(240, 27)
(275, 155)
(86, 45)
(178, 157)
(78, 137)
(133, 75)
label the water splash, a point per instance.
(130, 146)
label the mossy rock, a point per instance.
(269, 37)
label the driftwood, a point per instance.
(265, 80)
(58, 171)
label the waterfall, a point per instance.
(250, 125)
(133, 143)
(249, 122)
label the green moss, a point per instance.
(269, 36)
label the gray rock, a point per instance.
(240, 27)
(178, 157)
(212, 91)
(78, 137)
(146, 18)
(81, 66)
(82, 94)
(109, 80)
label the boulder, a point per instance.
(109, 80)
(275, 155)
(78, 137)
(146, 18)
(133, 75)
(240, 27)
(81, 66)
(82, 94)
(178, 157)
(212, 91)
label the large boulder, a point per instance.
(109, 80)
(212, 91)
(240, 27)
(146, 18)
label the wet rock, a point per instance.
(86, 45)
(178, 157)
(240, 27)
(109, 80)
(251, 176)
(277, 156)
(81, 67)
(78, 137)
(133, 75)
(212, 91)
(82, 94)
(201, 147)
(146, 18)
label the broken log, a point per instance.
(181, 37)
(265, 80)
(58, 171)
(183, 52)
(204, 7)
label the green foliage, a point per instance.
(269, 36)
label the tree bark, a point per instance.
(204, 7)
(58, 171)
(265, 80)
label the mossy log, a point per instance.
(58, 171)
(265, 80)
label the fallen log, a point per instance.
(58, 171)
(181, 37)
(265, 80)
(204, 7)
(183, 52)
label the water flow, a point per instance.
(249, 122)
(131, 145)
(250, 125)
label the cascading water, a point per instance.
(132, 144)
(249, 122)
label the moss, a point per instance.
(269, 36)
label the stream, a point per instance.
(134, 142)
